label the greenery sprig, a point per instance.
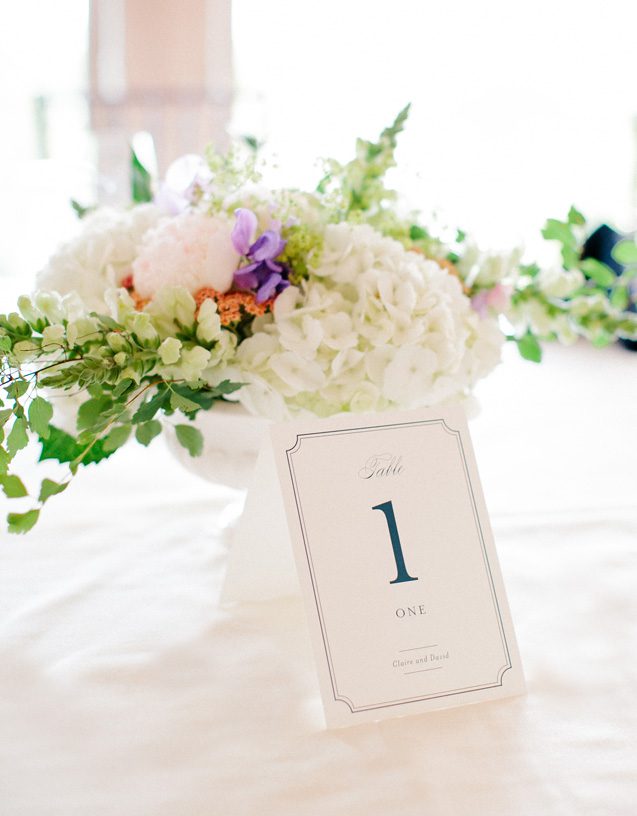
(116, 372)
(595, 304)
(359, 185)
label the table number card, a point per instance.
(396, 561)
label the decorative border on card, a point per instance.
(339, 695)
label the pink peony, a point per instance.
(191, 250)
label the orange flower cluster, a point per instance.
(232, 306)
(139, 301)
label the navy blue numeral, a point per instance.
(388, 509)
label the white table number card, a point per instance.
(395, 556)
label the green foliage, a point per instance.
(251, 142)
(598, 309)
(529, 347)
(79, 209)
(116, 363)
(22, 522)
(13, 487)
(117, 437)
(417, 233)
(147, 431)
(620, 298)
(231, 170)
(182, 403)
(140, 179)
(358, 186)
(563, 232)
(598, 272)
(304, 243)
(149, 408)
(17, 389)
(625, 252)
(529, 270)
(40, 415)
(64, 448)
(575, 217)
(191, 438)
(18, 437)
(189, 399)
(50, 488)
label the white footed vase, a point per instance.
(260, 564)
(232, 439)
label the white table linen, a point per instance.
(126, 689)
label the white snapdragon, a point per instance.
(50, 305)
(485, 269)
(169, 350)
(172, 310)
(193, 362)
(53, 337)
(560, 283)
(81, 330)
(142, 326)
(533, 316)
(181, 363)
(208, 322)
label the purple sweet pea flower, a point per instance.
(267, 247)
(243, 230)
(262, 274)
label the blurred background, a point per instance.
(518, 109)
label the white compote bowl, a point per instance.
(232, 439)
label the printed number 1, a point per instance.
(388, 509)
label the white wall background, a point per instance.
(519, 109)
(47, 158)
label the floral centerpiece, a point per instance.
(210, 287)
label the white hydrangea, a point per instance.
(100, 256)
(374, 327)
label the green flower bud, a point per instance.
(25, 351)
(18, 325)
(83, 330)
(53, 337)
(142, 326)
(118, 343)
(50, 305)
(31, 313)
(132, 372)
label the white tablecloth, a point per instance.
(126, 690)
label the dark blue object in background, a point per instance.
(599, 245)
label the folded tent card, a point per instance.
(394, 557)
